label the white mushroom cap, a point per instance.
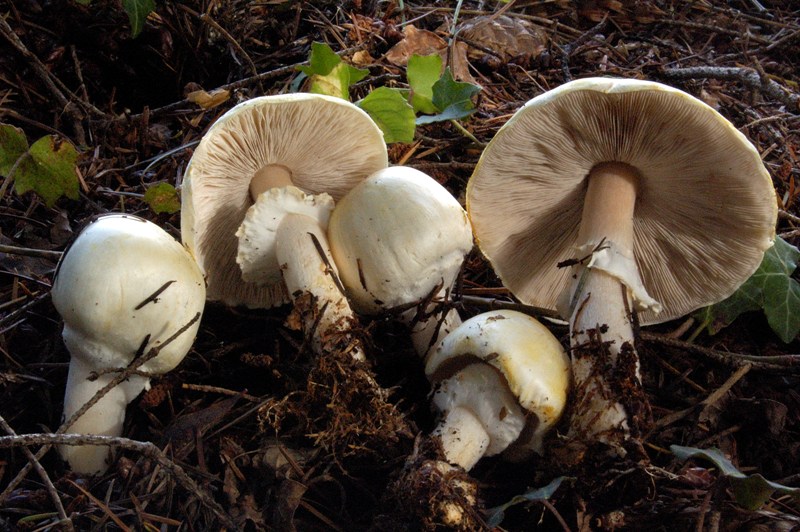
(395, 237)
(528, 358)
(112, 267)
(326, 144)
(705, 207)
(123, 287)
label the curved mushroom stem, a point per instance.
(601, 307)
(106, 417)
(464, 437)
(308, 268)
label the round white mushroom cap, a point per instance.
(705, 208)
(397, 236)
(102, 286)
(524, 353)
(323, 144)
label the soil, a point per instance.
(257, 433)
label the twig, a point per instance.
(123, 375)
(31, 252)
(569, 48)
(282, 71)
(492, 304)
(766, 364)
(48, 484)
(747, 76)
(205, 18)
(148, 449)
(711, 399)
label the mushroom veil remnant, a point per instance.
(398, 238)
(608, 196)
(123, 287)
(258, 193)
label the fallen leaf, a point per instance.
(209, 100)
(507, 37)
(416, 42)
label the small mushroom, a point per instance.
(258, 193)
(657, 203)
(399, 238)
(123, 287)
(501, 382)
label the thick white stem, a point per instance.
(464, 438)
(301, 246)
(602, 300)
(106, 417)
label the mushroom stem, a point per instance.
(106, 417)
(270, 176)
(464, 437)
(426, 333)
(601, 303)
(304, 255)
(607, 220)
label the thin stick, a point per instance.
(148, 449)
(48, 484)
(747, 76)
(123, 375)
(31, 252)
(282, 71)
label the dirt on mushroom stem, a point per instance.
(353, 414)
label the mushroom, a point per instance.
(257, 195)
(399, 238)
(123, 287)
(501, 381)
(658, 204)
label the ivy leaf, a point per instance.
(13, 145)
(496, 515)
(422, 73)
(771, 288)
(329, 74)
(750, 491)
(137, 11)
(449, 93)
(452, 99)
(162, 198)
(48, 169)
(391, 111)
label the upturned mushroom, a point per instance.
(123, 288)
(399, 238)
(257, 196)
(656, 202)
(501, 381)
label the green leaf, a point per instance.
(390, 110)
(422, 73)
(48, 170)
(137, 11)
(321, 60)
(83, 2)
(771, 288)
(750, 491)
(163, 198)
(329, 74)
(449, 93)
(496, 515)
(13, 145)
